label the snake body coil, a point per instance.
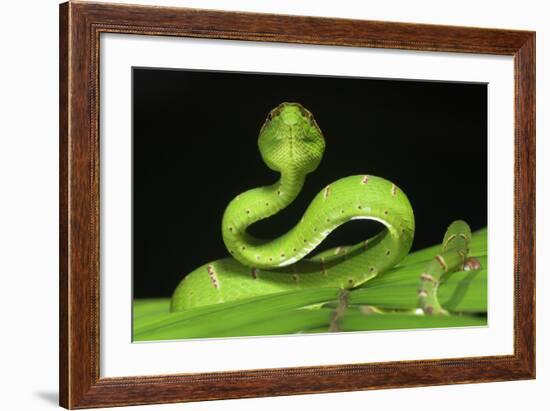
(292, 144)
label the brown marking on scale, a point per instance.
(304, 112)
(295, 277)
(254, 272)
(441, 262)
(275, 112)
(422, 293)
(282, 255)
(388, 252)
(326, 192)
(427, 277)
(393, 190)
(365, 180)
(451, 238)
(472, 264)
(213, 276)
(429, 310)
(247, 211)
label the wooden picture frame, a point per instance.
(80, 27)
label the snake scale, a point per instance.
(292, 144)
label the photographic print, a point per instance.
(236, 184)
(274, 204)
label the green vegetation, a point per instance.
(386, 302)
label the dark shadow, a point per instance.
(51, 397)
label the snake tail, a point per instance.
(452, 257)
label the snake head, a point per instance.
(290, 140)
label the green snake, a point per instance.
(453, 256)
(292, 144)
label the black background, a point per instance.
(195, 148)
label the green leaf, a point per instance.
(145, 307)
(463, 291)
(220, 319)
(356, 321)
(284, 313)
(290, 322)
